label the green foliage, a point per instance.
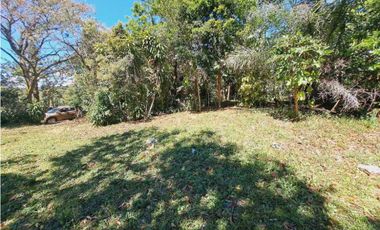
(11, 110)
(15, 109)
(364, 47)
(134, 72)
(104, 111)
(169, 56)
(251, 92)
(351, 29)
(298, 61)
(73, 96)
(35, 112)
(371, 45)
(257, 86)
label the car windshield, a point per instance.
(53, 110)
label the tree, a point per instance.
(298, 60)
(84, 48)
(205, 30)
(173, 54)
(351, 28)
(37, 33)
(85, 64)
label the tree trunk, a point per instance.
(198, 93)
(157, 85)
(207, 87)
(147, 116)
(29, 95)
(32, 90)
(295, 100)
(228, 92)
(175, 80)
(219, 90)
(333, 108)
(36, 92)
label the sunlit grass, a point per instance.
(222, 169)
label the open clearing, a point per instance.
(226, 169)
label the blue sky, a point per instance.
(109, 12)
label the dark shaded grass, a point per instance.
(189, 180)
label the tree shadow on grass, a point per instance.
(15, 193)
(16, 188)
(187, 180)
(375, 222)
(287, 114)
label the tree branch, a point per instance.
(11, 56)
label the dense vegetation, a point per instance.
(175, 55)
(236, 168)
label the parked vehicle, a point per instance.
(60, 113)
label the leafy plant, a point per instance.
(15, 110)
(257, 86)
(298, 60)
(104, 111)
(35, 111)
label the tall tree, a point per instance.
(37, 34)
(206, 29)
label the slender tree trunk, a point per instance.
(151, 107)
(198, 93)
(207, 86)
(295, 100)
(157, 85)
(228, 92)
(175, 72)
(146, 112)
(219, 89)
(175, 80)
(333, 108)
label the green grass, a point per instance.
(73, 175)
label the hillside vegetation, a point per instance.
(190, 55)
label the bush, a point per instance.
(35, 112)
(252, 91)
(103, 111)
(10, 108)
(14, 110)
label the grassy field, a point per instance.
(234, 168)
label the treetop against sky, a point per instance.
(110, 12)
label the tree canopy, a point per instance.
(175, 55)
(38, 34)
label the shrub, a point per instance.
(103, 111)
(257, 84)
(298, 60)
(253, 91)
(10, 108)
(35, 112)
(15, 110)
